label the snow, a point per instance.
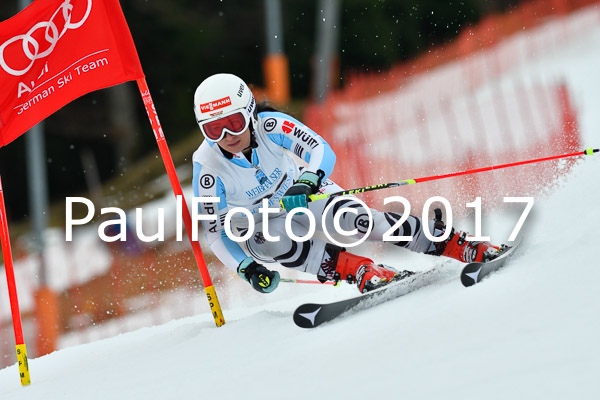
(529, 331)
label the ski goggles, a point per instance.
(234, 122)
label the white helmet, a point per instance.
(224, 103)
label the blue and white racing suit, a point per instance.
(236, 182)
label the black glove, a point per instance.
(258, 276)
(298, 195)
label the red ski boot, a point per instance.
(457, 247)
(367, 275)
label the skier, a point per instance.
(245, 160)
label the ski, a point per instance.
(311, 315)
(474, 272)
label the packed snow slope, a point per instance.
(531, 331)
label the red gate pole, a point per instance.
(187, 220)
(12, 295)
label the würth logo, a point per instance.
(215, 105)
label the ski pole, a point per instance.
(288, 280)
(313, 197)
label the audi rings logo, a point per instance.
(32, 49)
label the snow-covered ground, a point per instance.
(531, 331)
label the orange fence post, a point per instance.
(277, 80)
(47, 317)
